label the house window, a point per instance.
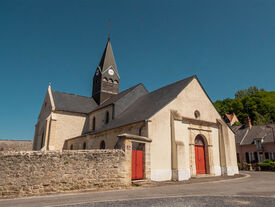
(94, 123)
(247, 157)
(261, 157)
(102, 145)
(107, 117)
(256, 159)
(42, 141)
(71, 147)
(272, 156)
(258, 144)
(84, 145)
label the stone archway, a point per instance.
(201, 155)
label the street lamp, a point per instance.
(267, 126)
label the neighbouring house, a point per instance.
(16, 145)
(255, 143)
(230, 119)
(175, 131)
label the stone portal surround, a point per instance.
(36, 172)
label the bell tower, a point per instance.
(106, 79)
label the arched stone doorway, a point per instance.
(201, 155)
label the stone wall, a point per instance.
(15, 145)
(30, 173)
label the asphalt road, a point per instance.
(256, 190)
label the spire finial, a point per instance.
(109, 29)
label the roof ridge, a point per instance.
(193, 76)
(128, 89)
(72, 94)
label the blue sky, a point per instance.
(229, 45)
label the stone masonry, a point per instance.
(30, 173)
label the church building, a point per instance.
(175, 131)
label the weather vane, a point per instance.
(109, 28)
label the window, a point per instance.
(115, 82)
(197, 114)
(107, 117)
(256, 158)
(105, 79)
(266, 154)
(247, 157)
(102, 145)
(93, 124)
(110, 80)
(261, 157)
(71, 147)
(42, 141)
(258, 144)
(84, 145)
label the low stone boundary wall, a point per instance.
(36, 172)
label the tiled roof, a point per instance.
(246, 136)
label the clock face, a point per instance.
(111, 72)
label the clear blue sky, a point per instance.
(229, 45)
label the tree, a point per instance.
(259, 105)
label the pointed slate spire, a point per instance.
(107, 58)
(106, 79)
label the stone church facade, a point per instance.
(174, 132)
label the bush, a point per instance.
(267, 165)
(239, 166)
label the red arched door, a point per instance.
(200, 155)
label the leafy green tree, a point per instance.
(259, 105)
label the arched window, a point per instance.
(115, 82)
(107, 117)
(102, 145)
(110, 80)
(42, 140)
(93, 123)
(71, 147)
(105, 79)
(84, 145)
(197, 114)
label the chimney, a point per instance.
(247, 122)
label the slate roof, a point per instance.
(239, 133)
(147, 105)
(246, 136)
(107, 58)
(117, 97)
(83, 104)
(73, 103)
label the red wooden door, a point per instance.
(200, 159)
(137, 164)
